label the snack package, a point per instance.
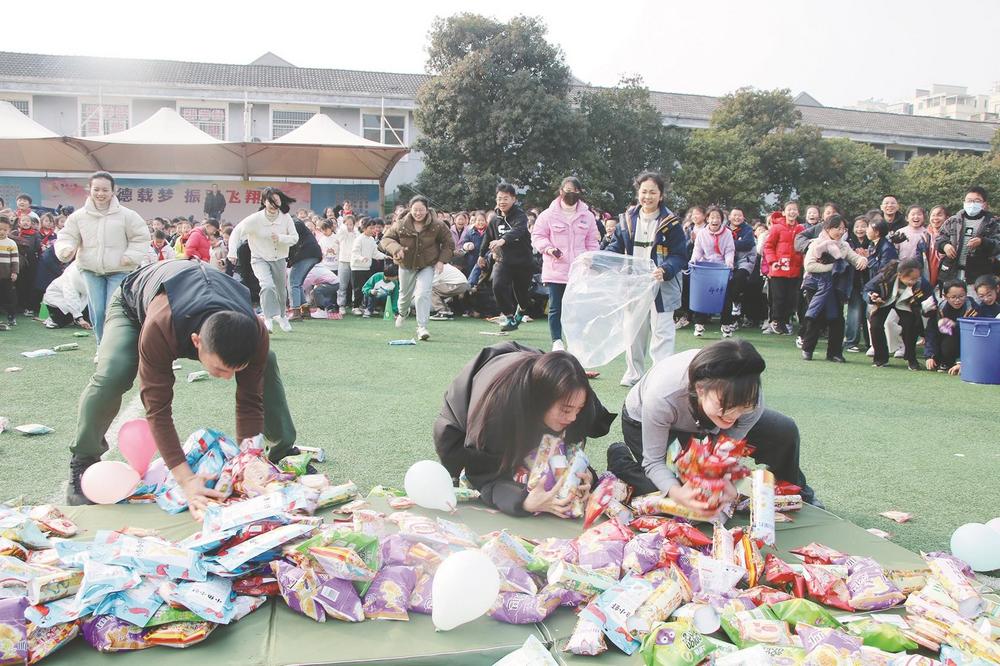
(389, 594)
(786, 503)
(458, 534)
(666, 598)
(658, 503)
(764, 655)
(882, 635)
(748, 628)
(517, 608)
(33, 429)
(703, 618)
(58, 584)
(579, 579)
(110, 634)
(816, 553)
(257, 586)
(13, 631)
(829, 646)
(10, 548)
(246, 551)
(717, 577)
(515, 579)
(503, 548)
(167, 614)
(676, 644)
(549, 464)
(297, 464)
(16, 526)
(603, 556)
(612, 608)
(684, 533)
(135, 606)
(555, 550)
(587, 639)
(421, 600)
(909, 580)
(340, 600)
(225, 519)
(780, 573)
(211, 599)
(762, 506)
(419, 529)
(299, 588)
(42, 642)
(805, 612)
(748, 556)
(149, 555)
(869, 587)
(609, 531)
(642, 553)
(761, 595)
(100, 580)
(52, 520)
(956, 584)
(609, 487)
(423, 556)
(826, 587)
(180, 634)
(342, 562)
(579, 464)
(56, 612)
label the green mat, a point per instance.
(274, 635)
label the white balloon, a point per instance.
(977, 545)
(428, 484)
(994, 525)
(465, 586)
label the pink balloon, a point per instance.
(135, 441)
(109, 482)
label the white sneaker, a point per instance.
(557, 345)
(870, 352)
(95, 358)
(399, 321)
(727, 331)
(269, 324)
(737, 309)
(285, 326)
(900, 353)
(423, 333)
(356, 312)
(699, 330)
(343, 311)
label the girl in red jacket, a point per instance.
(784, 266)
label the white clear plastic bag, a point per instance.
(607, 300)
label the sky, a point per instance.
(839, 51)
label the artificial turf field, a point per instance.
(872, 440)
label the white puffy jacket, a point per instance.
(113, 241)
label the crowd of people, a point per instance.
(883, 282)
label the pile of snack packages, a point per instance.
(643, 581)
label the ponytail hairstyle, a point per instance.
(732, 369)
(516, 403)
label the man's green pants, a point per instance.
(116, 370)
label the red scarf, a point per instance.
(715, 239)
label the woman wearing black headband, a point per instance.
(711, 391)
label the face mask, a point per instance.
(973, 208)
(570, 198)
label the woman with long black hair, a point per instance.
(496, 412)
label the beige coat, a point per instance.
(114, 241)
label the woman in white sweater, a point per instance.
(108, 241)
(269, 233)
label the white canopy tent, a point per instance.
(167, 144)
(28, 146)
(164, 143)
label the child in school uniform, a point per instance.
(827, 282)
(986, 287)
(942, 348)
(346, 236)
(9, 268)
(382, 286)
(713, 243)
(363, 253)
(901, 288)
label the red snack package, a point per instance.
(826, 588)
(816, 553)
(684, 533)
(765, 596)
(257, 586)
(647, 523)
(786, 488)
(609, 531)
(608, 487)
(779, 573)
(249, 532)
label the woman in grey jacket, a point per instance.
(699, 392)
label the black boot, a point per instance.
(74, 492)
(809, 497)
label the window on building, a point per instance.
(115, 119)
(212, 121)
(284, 122)
(391, 131)
(21, 105)
(899, 157)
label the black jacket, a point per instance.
(482, 467)
(215, 204)
(512, 229)
(979, 261)
(307, 246)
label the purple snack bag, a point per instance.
(642, 553)
(299, 588)
(553, 549)
(107, 633)
(572, 598)
(420, 600)
(516, 579)
(340, 600)
(389, 594)
(394, 549)
(517, 608)
(603, 556)
(13, 631)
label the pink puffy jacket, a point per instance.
(572, 233)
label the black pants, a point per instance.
(358, 279)
(28, 298)
(784, 295)
(949, 349)
(510, 284)
(911, 331)
(834, 339)
(734, 294)
(775, 438)
(8, 298)
(754, 300)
